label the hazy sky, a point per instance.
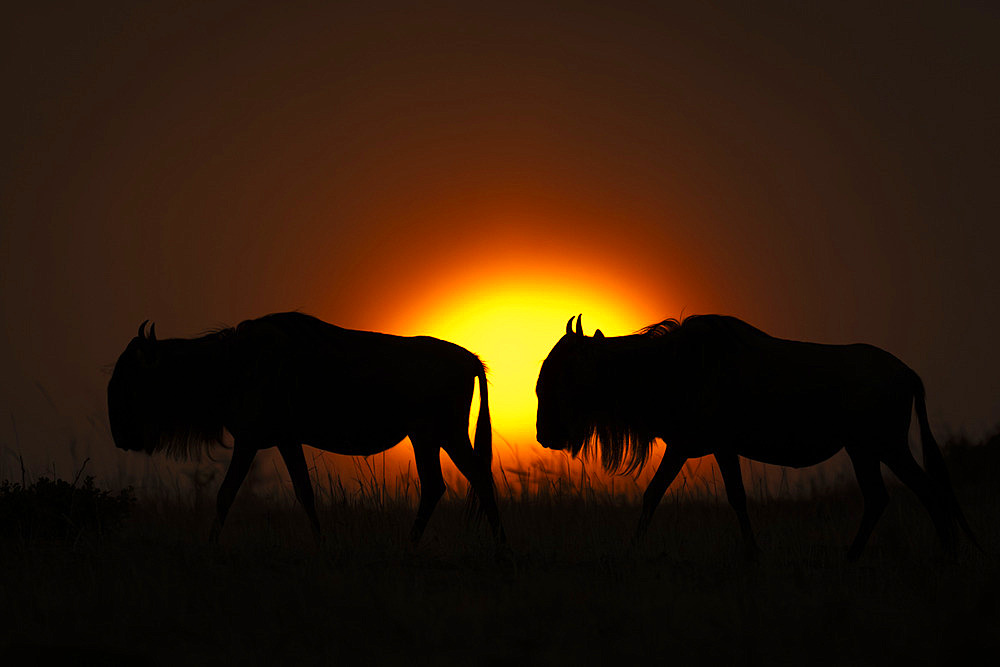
(829, 173)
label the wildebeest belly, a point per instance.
(355, 444)
(795, 430)
(800, 414)
(807, 449)
(359, 424)
(332, 414)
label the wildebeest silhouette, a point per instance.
(289, 379)
(714, 384)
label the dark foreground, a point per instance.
(568, 590)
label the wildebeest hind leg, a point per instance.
(427, 453)
(868, 470)
(239, 466)
(669, 468)
(480, 477)
(295, 461)
(903, 465)
(732, 476)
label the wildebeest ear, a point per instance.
(598, 334)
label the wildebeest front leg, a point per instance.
(669, 468)
(732, 476)
(295, 461)
(428, 457)
(239, 466)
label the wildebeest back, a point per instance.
(299, 379)
(778, 394)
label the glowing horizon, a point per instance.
(507, 298)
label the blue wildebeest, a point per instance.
(288, 379)
(716, 385)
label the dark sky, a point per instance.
(829, 172)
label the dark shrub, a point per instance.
(55, 510)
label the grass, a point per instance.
(568, 589)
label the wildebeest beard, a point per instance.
(614, 409)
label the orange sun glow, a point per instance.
(511, 319)
(512, 327)
(509, 304)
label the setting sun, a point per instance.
(512, 327)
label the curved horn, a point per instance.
(152, 332)
(569, 325)
(142, 329)
(579, 324)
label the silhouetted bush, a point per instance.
(974, 463)
(55, 510)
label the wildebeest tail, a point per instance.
(934, 460)
(483, 442)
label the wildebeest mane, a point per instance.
(663, 328)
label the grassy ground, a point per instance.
(567, 590)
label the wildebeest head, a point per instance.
(129, 393)
(565, 391)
